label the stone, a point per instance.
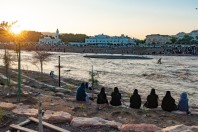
(63, 90)
(194, 111)
(7, 106)
(25, 110)
(194, 128)
(179, 112)
(95, 121)
(180, 128)
(139, 128)
(32, 84)
(60, 94)
(57, 116)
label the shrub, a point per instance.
(2, 114)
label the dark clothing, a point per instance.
(168, 103)
(86, 85)
(102, 98)
(135, 101)
(183, 102)
(152, 100)
(80, 94)
(115, 99)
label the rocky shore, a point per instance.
(63, 110)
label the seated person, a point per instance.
(183, 103)
(152, 100)
(168, 103)
(135, 100)
(81, 94)
(86, 85)
(115, 97)
(52, 74)
(102, 98)
(90, 86)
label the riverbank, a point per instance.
(65, 101)
(128, 50)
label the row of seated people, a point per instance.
(168, 103)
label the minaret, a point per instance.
(57, 34)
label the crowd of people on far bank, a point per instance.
(168, 102)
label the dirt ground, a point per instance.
(67, 103)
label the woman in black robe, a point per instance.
(102, 98)
(115, 97)
(152, 100)
(168, 103)
(135, 100)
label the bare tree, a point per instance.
(41, 57)
(6, 33)
(8, 59)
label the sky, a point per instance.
(135, 18)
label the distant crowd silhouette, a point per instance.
(168, 103)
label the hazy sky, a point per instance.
(136, 18)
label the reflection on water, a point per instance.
(176, 74)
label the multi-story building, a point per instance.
(107, 40)
(158, 39)
(180, 35)
(194, 34)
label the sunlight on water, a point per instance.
(176, 74)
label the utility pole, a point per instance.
(59, 70)
(40, 113)
(92, 80)
(6, 68)
(19, 72)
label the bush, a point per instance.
(2, 114)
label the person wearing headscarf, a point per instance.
(81, 94)
(135, 100)
(102, 98)
(86, 85)
(115, 97)
(168, 103)
(183, 103)
(152, 100)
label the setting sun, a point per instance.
(16, 29)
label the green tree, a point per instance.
(7, 36)
(187, 39)
(31, 36)
(138, 41)
(173, 40)
(93, 78)
(5, 30)
(8, 59)
(196, 37)
(69, 37)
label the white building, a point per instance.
(51, 41)
(194, 34)
(104, 40)
(158, 39)
(180, 35)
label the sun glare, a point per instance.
(16, 30)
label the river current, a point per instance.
(176, 73)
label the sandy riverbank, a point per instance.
(67, 103)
